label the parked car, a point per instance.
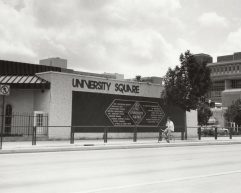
(210, 130)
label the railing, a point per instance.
(21, 124)
(122, 129)
(133, 130)
(218, 131)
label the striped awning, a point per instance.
(23, 81)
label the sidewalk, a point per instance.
(84, 145)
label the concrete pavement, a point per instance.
(83, 145)
(198, 169)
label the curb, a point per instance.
(110, 147)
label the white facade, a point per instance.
(27, 100)
(57, 102)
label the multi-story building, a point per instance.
(226, 79)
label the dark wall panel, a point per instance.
(122, 112)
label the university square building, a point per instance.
(54, 98)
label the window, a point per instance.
(236, 84)
(39, 120)
(218, 86)
(233, 84)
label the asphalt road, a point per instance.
(194, 169)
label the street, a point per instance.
(199, 169)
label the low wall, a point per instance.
(192, 132)
(122, 135)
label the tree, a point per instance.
(204, 113)
(185, 85)
(233, 113)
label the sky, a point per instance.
(130, 37)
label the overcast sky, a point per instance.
(131, 37)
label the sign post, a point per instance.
(4, 91)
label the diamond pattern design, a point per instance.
(137, 113)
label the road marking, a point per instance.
(161, 181)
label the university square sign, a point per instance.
(129, 112)
(123, 88)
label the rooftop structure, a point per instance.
(200, 58)
(45, 65)
(56, 62)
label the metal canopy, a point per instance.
(24, 81)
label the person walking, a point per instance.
(169, 129)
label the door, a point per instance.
(8, 119)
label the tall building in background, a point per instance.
(203, 58)
(226, 79)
